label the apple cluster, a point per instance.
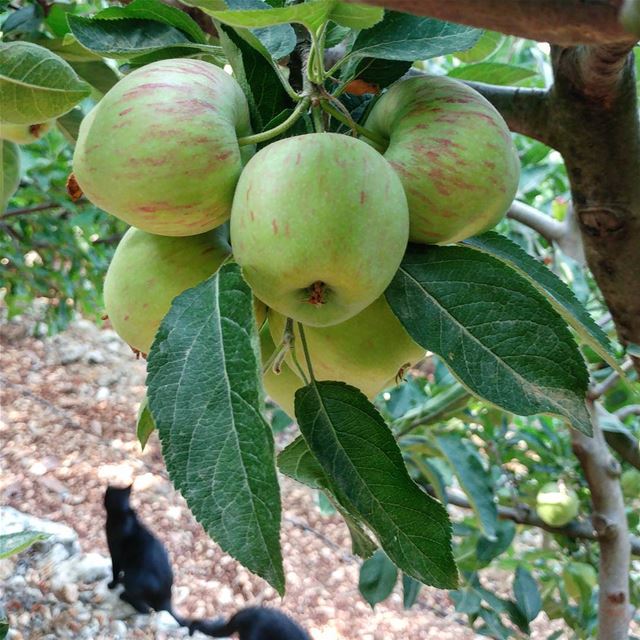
(319, 222)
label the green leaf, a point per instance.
(129, 37)
(264, 91)
(146, 424)
(297, 462)
(401, 36)
(378, 576)
(203, 385)
(276, 41)
(355, 448)
(355, 16)
(488, 44)
(12, 543)
(474, 480)
(98, 74)
(35, 84)
(487, 550)
(69, 49)
(466, 600)
(23, 21)
(158, 12)
(4, 629)
(69, 124)
(493, 73)
(527, 595)
(495, 331)
(57, 18)
(410, 590)
(557, 292)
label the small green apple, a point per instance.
(148, 271)
(454, 155)
(319, 226)
(282, 386)
(24, 133)
(579, 577)
(630, 482)
(366, 351)
(10, 177)
(556, 505)
(160, 150)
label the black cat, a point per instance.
(140, 562)
(253, 623)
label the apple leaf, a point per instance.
(203, 385)
(410, 590)
(297, 462)
(146, 424)
(487, 45)
(158, 12)
(498, 335)
(312, 14)
(357, 451)
(527, 594)
(98, 74)
(126, 38)
(378, 576)
(474, 480)
(493, 73)
(35, 84)
(69, 124)
(264, 91)
(12, 543)
(274, 37)
(558, 293)
(401, 36)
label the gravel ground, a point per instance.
(67, 428)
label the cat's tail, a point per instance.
(218, 628)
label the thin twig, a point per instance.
(30, 210)
(346, 556)
(598, 390)
(629, 410)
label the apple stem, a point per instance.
(380, 142)
(307, 357)
(302, 106)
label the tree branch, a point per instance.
(598, 390)
(525, 515)
(625, 445)
(30, 210)
(566, 22)
(629, 410)
(565, 234)
(525, 110)
(610, 523)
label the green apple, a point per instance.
(148, 271)
(556, 505)
(319, 226)
(367, 351)
(282, 386)
(160, 150)
(24, 133)
(454, 155)
(10, 177)
(630, 482)
(579, 577)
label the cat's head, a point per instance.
(117, 498)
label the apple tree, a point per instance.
(413, 228)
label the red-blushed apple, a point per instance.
(454, 155)
(148, 271)
(367, 351)
(319, 226)
(160, 150)
(10, 177)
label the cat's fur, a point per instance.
(253, 623)
(140, 562)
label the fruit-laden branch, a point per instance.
(525, 515)
(566, 22)
(609, 520)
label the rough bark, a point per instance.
(595, 128)
(565, 22)
(610, 523)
